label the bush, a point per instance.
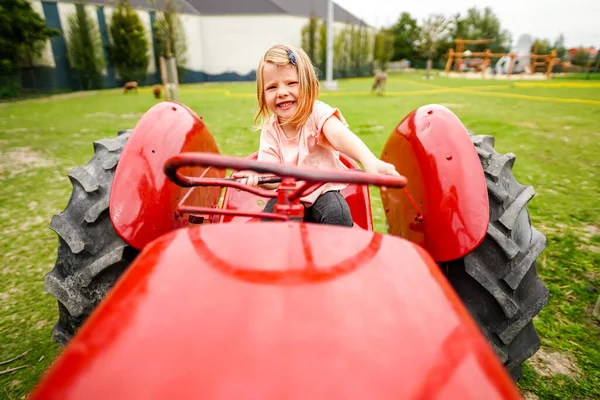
(22, 37)
(383, 51)
(309, 38)
(129, 48)
(352, 49)
(84, 46)
(9, 83)
(581, 57)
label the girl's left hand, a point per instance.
(249, 178)
(380, 167)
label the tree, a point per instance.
(23, 35)
(581, 57)
(434, 30)
(543, 46)
(309, 37)
(129, 47)
(322, 63)
(365, 51)
(169, 34)
(352, 51)
(383, 50)
(341, 51)
(560, 47)
(84, 47)
(314, 42)
(482, 25)
(406, 36)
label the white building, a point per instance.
(225, 38)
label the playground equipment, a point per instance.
(519, 60)
(460, 50)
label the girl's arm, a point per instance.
(268, 152)
(344, 140)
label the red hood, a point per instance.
(279, 310)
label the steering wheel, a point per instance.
(288, 194)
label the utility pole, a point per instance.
(330, 84)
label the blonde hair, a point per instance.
(307, 80)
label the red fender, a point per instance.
(449, 211)
(143, 201)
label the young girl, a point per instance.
(299, 130)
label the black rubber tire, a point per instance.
(91, 256)
(498, 281)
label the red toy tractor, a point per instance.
(166, 289)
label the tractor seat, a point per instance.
(357, 196)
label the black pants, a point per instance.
(330, 208)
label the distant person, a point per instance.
(299, 130)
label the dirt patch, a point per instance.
(15, 383)
(452, 105)
(40, 324)
(593, 249)
(110, 115)
(590, 231)
(529, 396)
(15, 130)
(21, 159)
(32, 222)
(549, 229)
(54, 97)
(531, 125)
(590, 275)
(74, 94)
(367, 128)
(585, 233)
(549, 364)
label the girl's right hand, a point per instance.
(250, 178)
(380, 167)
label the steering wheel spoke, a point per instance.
(233, 183)
(306, 189)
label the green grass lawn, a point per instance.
(552, 127)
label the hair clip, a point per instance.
(292, 57)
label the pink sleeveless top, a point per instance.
(309, 149)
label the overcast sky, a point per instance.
(578, 20)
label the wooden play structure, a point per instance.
(547, 61)
(460, 52)
(536, 60)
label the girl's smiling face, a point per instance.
(281, 89)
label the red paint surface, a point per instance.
(279, 311)
(432, 148)
(357, 197)
(143, 201)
